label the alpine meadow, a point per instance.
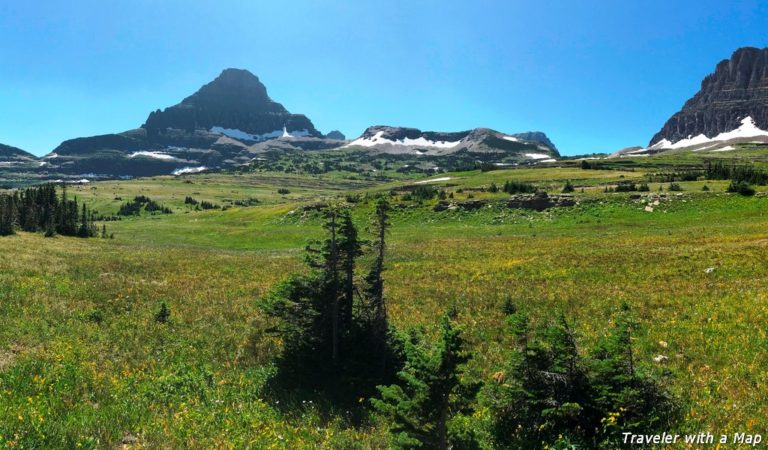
(225, 275)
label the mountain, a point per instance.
(8, 153)
(217, 126)
(235, 104)
(732, 103)
(530, 146)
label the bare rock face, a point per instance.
(738, 88)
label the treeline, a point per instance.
(747, 174)
(142, 202)
(337, 345)
(39, 208)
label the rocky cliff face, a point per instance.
(738, 88)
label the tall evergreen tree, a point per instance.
(326, 333)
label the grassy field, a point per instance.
(83, 363)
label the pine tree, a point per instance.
(323, 323)
(431, 393)
(377, 308)
(636, 401)
(6, 215)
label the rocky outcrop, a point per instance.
(540, 201)
(737, 89)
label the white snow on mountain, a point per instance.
(537, 156)
(185, 170)
(234, 133)
(511, 138)
(155, 155)
(747, 129)
(379, 139)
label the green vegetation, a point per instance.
(40, 209)
(160, 338)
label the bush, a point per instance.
(283, 191)
(568, 187)
(519, 187)
(741, 187)
(674, 187)
(163, 315)
(548, 394)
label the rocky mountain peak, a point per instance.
(738, 88)
(235, 100)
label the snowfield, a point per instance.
(184, 170)
(155, 155)
(537, 156)
(433, 180)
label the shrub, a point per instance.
(163, 315)
(674, 187)
(519, 187)
(741, 187)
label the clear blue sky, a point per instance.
(594, 75)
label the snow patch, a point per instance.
(537, 156)
(433, 180)
(155, 155)
(51, 156)
(510, 138)
(185, 170)
(727, 148)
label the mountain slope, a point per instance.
(8, 153)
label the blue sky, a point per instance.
(596, 76)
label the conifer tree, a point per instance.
(432, 391)
(323, 322)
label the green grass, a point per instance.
(83, 361)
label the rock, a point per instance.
(649, 209)
(709, 270)
(129, 439)
(471, 204)
(540, 201)
(737, 89)
(660, 359)
(441, 206)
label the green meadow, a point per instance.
(84, 363)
